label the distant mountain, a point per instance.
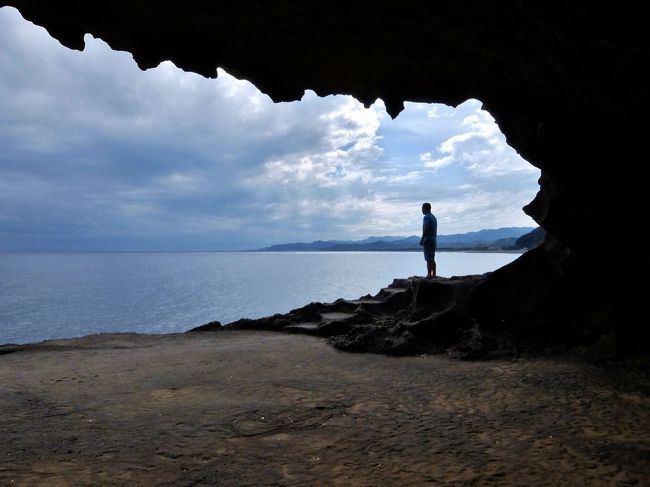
(503, 243)
(301, 246)
(531, 239)
(482, 237)
(499, 238)
(377, 239)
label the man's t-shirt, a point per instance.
(430, 238)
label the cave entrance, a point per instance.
(98, 155)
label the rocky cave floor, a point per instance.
(261, 408)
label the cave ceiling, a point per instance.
(423, 51)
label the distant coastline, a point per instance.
(457, 250)
(507, 239)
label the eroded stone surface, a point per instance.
(257, 408)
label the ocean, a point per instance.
(60, 295)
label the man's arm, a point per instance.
(426, 229)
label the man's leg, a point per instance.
(431, 268)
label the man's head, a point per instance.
(426, 208)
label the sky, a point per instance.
(96, 154)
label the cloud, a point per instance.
(434, 165)
(346, 151)
(481, 149)
(97, 154)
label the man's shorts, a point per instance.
(429, 252)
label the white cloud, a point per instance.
(482, 149)
(348, 148)
(436, 164)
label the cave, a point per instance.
(563, 81)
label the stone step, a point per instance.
(365, 301)
(336, 316)
(401, 283)
(394, 290)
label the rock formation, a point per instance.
(563, 80)
(410, 316)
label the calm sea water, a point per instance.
(58, 295)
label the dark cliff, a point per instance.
(563, 80)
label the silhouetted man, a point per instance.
(428, 240)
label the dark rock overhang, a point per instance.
(425, 51)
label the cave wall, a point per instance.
(563, 80)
